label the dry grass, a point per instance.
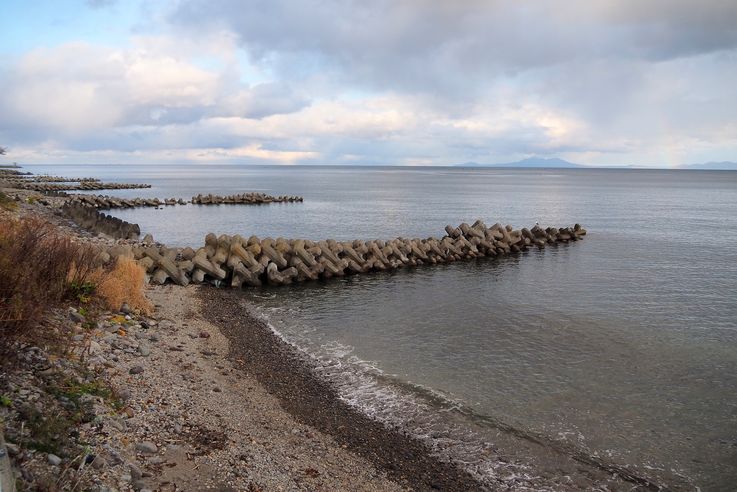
(124, 283)
(40, 267)
(36, 262)
(6, 202)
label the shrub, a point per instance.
(124, 283)
(6, 202)
(82, 291)
(36, 264)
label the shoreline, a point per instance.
(163, 406)
(386, 458)
(178, 415)
(289, 375)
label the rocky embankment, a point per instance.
(149, 403)
(241, 262)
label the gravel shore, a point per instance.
(255, 442)
(202, 395)
(148, 403)
(289, 378)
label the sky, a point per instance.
(381, 82)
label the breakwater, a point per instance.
(46, 183)
(84, 210)
(243, 198)
(80, 186)
(10, 172)
(240, 262)
(104, 202)
(96, 222)
(109, 202)
(44, 178)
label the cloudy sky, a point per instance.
(368, 82)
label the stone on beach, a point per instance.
(147, 447)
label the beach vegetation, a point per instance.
(6, 202)
(124, 283)
(74, 390)
(82, 291)
(46, 433)
(42, 268)
(37, 266)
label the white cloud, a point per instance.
(389, 82)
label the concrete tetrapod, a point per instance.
(254, 262)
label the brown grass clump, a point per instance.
(124, 283)
(6, 202)
(36, 262)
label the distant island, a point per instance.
(556, 163)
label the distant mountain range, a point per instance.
(723, 166)
(530, 162)
(555, 163)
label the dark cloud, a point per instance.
(457, 46)
(264, 100)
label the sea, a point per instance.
(621, 347)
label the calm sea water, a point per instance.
(622, 346)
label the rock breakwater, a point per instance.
(240, 262)
(44, 178)
(110, 202)
(80, 186)
(104, 202)
(90, 219)
(244, 198)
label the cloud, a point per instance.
(388, 82)
(456, 46)
(81, 90)
(264, 99)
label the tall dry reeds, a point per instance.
(37, 263)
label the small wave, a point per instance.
(415, 409)
(453, 431)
